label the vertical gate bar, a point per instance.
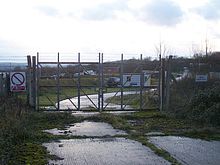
(99, 84)
(102, 83)
(34, 84)
(141, 82)
(78, 84)
(58, 81)
(121, 81)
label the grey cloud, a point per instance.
(162, 12)
(105, 10)
(210, 11)
(47, 10)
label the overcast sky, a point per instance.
(108, 26)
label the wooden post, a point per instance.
(168, 83)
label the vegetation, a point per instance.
(21, 133)
(196, 102)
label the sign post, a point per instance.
(17, 81)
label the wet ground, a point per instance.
(190, 151)
(99, 143)
(87, 128)
(85, 103)
(103, 151)
(98, 150)
(86, 114)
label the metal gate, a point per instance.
(75, 84)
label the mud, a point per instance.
(190, 151)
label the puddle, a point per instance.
(87, 114)
(99, 151)
(190, 151)
(88, 128)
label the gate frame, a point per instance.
(37, 65)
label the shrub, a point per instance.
(205, 106)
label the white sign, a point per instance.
(17, 81)
(135, 80)
(202, 78)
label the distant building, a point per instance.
(111, 70)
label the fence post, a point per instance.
(99, 84)
(33, 87)
(2, 85)
(121, 81)
(38, 83)
(78, 83)
(162, 84)
(141, 83)
(58, 81)
(168, 82)
(159, 81)
(30, 100)
(102, 83)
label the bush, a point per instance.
(205, 106)
(196, 103)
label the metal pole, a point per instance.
(34, 84)
(58, 81)
(29, 78)
(121, 81)
(102, 83)
(168, 83)
(2, 91)
(162, 85)
(159, 80)
(99, 79)
(38, 80)
(78, 83)
(141, 82)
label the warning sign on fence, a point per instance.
(17, 81)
